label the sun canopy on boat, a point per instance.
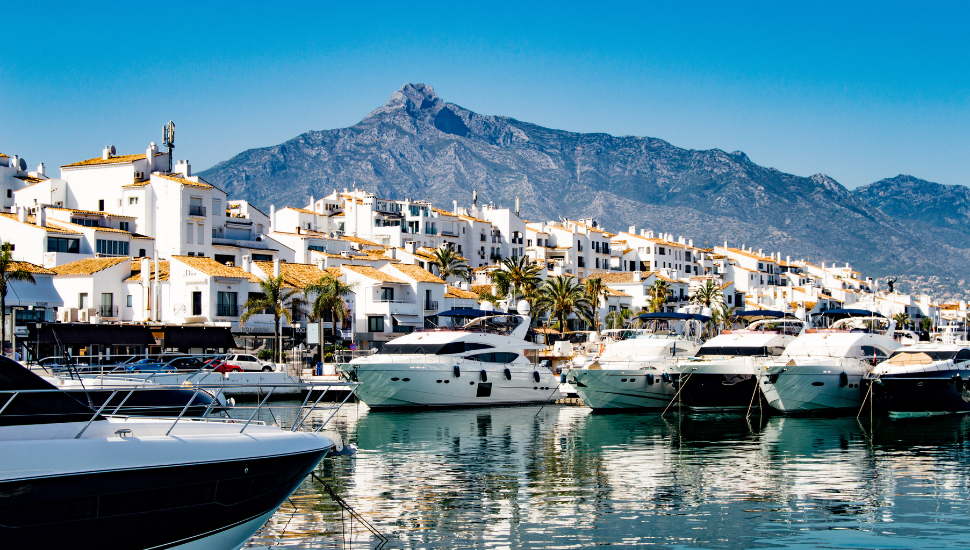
(758, 314)
(465, 313)
(673, 316)
(843, 313)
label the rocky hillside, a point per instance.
(419, 146)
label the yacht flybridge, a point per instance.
(486, 361)
(822, 370)
(634, 373)
(725, 372)
(71, 477)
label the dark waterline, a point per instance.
(561, 477)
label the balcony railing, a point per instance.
(227, 310)
(403, 329)
(108, 311)
(196, 210)
(430, 305)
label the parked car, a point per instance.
(221, 365)
(147, 365)
(250, 363)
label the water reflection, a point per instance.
(560, 477)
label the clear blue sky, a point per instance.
(859, 92)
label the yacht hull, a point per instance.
(203, 505)
(725, 392)
(812, 390)
(919, 395)
(395, 385)
(614, 389)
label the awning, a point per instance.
(758, 314)
(80, 334)
(408, 320)
(465, 313)
(43, 294)
(843, 313)
(198, 337)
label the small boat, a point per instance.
(725, 373)
(635, 373)
(71, 477)
(150, 399)
(821, 371)
(921, 380)
(485, 361)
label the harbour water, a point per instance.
(561, 477)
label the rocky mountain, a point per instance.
(421, 147)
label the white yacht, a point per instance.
(71, 477)
(922, 380)
(483, 362)
(725, 372)
(821, 371)
(634, 373)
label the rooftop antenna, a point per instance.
(168, 140)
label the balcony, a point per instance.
(431, 305)
(242, 243)
(108, 312)
(227, 310)
(196, 210)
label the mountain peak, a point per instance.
(418, 96)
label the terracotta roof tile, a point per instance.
(454, 292)
(213, 268)
(294, 275)
(358, 240)
(31, 222)
(135, 277)
(201, 183)
(371, 273)
(31, 179)
(119, 159)
(88, 266)
(73, 227)
(76, 211)
(30, 268)
(418, 273)
(301, 211)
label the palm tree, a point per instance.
(618, 319)
(561, 297)
(708, 295)
(926, 323)
(329, 293)
(596, 291)
(902, 320)
(9, 271)
(517, 276)
(450, 264)
(276, 298)
(658, 295)
(721, 315)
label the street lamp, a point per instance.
(13, 330)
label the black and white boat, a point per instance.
(73, 478)
(922, 380)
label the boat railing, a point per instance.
(235, 413)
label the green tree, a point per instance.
(708, 295)
(657, 294)
(516, 277)
(9, 271)
(327, 296)
(597, 293)
(926, 324)
(450, 264)
(276, 298)
(902, 320)
(561, 297)
(618, 319)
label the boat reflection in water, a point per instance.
(561, 477)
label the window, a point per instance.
(201, 234)
(9, 193)
(216, 207)
(60, 244)
(82, 300)
(662, 251)
(123, 226)
(101, 205)
(262, 258)
(86, 222)
(196, 303)
(226, 304)
(132, 200)
(375, 323)
(111, 248)
(225, 258)
(188, 232)
(128, 301)
(387, 295)
(141, 252)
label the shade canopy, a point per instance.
(407, 320)
(465, 313)
(199, 337)
(843, 313)
(82, 334)
(673, 316)
(43, 294)
(758, 314)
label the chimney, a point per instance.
(276, 267)
(454, 207)
(298, 230)
(320, 265)
(106, 153)
(150, 156)
(690, 243)
(183, 167)
(392, 253)
(633, 230)
(759, 252)
(22, 214)
(681, 240)
(146, 271)
(272, 217)
(409, 247)
(516, 206)
(637, 276)
(648, 234)
(41, 171)
(725, 245)
(313, 203)
(788, 259)
(41, 217)
(246, 264)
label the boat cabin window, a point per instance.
(872, 351)
(934, 354)
(495, 357)
(738, 351)
(449, 348)
(963, 355)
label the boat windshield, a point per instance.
(740, 351)
(935, 355)
(449, 348)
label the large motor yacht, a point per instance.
(921, 380)
(486, 361)
(725, 372)
(73, 478)
(821, 370)
(634, 373)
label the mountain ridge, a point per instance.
(416, 145)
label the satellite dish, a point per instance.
(113, 151)
(23, 164)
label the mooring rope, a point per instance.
(682, 384)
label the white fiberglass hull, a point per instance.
(393, 385)
(602, 389)
(813, 388)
